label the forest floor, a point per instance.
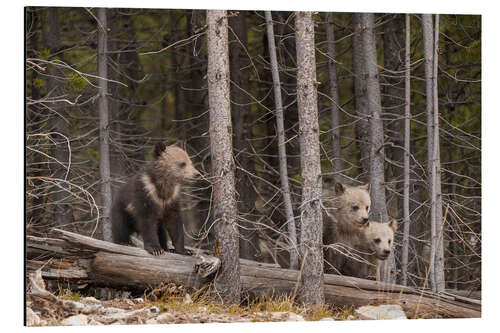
(172, 307)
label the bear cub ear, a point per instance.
(339, 188)
(393, 224)
(159, 148)
(366, 187)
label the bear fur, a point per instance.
(343, 227)
(148, 203)
(375, 246)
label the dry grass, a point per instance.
(171, 299)
(68, 294)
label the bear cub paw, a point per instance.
(154, 250)
(186, 252)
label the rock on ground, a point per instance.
(32, 319)
(285, 316)
(77, 320)
(386, 311)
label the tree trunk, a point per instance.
(394, 100)
(438, 239)
(227, 282)
(242, 119)
(377, 157)
(311, 283)
(60, 128)
(116, 158)
(338, 164)
(292, 234)
(436, 262)
(87, 260)
(288, 82)
(406, 161)
(440, 276)
(393, 104)
(362, 126)
(104, 166)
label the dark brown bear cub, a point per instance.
(148, 204)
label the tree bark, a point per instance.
(311, 283)
(290, 219)
(288, 81)
(362, 126)
(338, 164)
(377, 156)
(227, 282)
(104, 166)
(379, 208)
(116, 160)
(393, 106)
(439, 263)
(242, 118)
(436, 262)
(393, 101)
(406, 160)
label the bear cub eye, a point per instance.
(182, 164)
(389, 242)
(355, 208)
(367, 208)
(377, 240)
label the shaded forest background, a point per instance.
(157, 91)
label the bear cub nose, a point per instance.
(387, 252)
(365, 220)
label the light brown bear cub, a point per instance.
(342, 228)
(375, 246)
(148, 204)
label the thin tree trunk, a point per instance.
(406, 162)
(104, 166)
(393, 102)
(292, 231)
(117, 165)
(227, 283)
(436, 261)
(439, 260)
(377, 158)
(311, 283)
(428, 54)
(242, 118)
(338, 164)
(362, 126)
(379, 208)
(288, 81)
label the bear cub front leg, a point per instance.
(151, 239)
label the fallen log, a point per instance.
(88, 260)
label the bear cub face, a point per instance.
(175, 162)
(379, 237)
(353, 204)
